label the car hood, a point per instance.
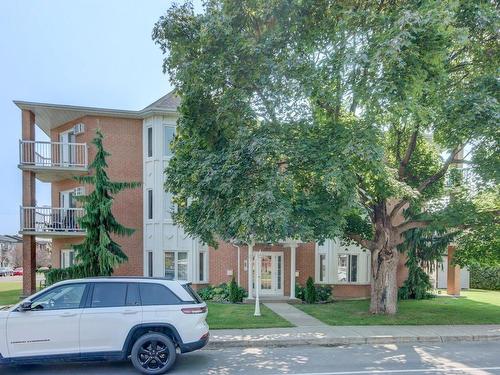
(4, 309)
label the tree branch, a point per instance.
(409, 151)
(439, 174)
(412, 224)
(370, 245)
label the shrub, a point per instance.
(323, 293)
(222, 293)
(299, 292)
(236, 293)
(310, 295)
(485, 277)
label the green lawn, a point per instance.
(221, 315)
(9, 292)
(477, 307)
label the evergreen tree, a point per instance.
(99, 254)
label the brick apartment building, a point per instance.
(139, 145)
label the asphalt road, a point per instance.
(478, 358)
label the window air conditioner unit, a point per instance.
(79, 128)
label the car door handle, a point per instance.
(67, 315)
(129, 312)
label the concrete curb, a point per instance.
(352, 335)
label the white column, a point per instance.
(293, 247)
(250, 270)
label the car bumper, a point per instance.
(195, 345)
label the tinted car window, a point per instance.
(59, 298)
(133, 298)
(109, 294)
(156, 294)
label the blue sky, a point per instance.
(82, 52)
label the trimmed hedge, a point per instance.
(485, 277)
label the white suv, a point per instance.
(147, 320)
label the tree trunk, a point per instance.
(384, 288)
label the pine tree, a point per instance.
(99, 254)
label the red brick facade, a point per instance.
(123, 140)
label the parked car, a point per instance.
(6, 271)
(18, 271)
(144, 319)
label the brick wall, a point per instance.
(123, 140)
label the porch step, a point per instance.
(273, 300)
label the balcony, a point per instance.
(51, 221)
(53, 161)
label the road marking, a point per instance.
(405, 371)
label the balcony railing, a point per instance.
(53, 154)
(50, 220)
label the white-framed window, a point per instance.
(168, 136)
(322, 268)
(67, 258)
(176, 265)
(149, 201)
(202, 266)
(347, 268)
(340, 264)
(149, 259)
(149, 144)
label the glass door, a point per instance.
(271, 273)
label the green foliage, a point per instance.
(225, 292)
(299, 292)
(99, 254)
(484, 277)
(322, 293)
(311, 119)
(310, 295)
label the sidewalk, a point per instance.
(345, 335)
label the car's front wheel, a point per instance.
(153, 353)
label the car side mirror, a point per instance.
(26, 306)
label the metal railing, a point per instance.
(51, 219)
(53, 154)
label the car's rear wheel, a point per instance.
(153, 354)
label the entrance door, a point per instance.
(271, 274)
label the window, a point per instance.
(150, 142)
(60, 298)
(202, 257)
(182, 266)
(168, 136)
(150, 264)
(133, 296)
(156, 294)
(347, 270)
(67, 258)
(176, 265)
(109, 295)
(322, 267)
(150, 203)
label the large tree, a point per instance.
(99, 254)
(313, 119)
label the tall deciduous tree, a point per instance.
(313, 119)
(99, 254)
